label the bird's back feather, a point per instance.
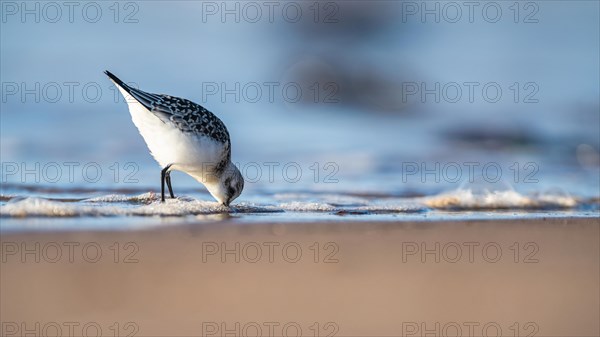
(185, 115)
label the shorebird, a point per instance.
(182, 135)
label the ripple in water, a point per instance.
(149, 204)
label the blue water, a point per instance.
(369, 148)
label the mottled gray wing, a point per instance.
(186, 115)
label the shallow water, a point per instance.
(24, 209)
(369, 174)
(80, 163)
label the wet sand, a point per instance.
(475, 278)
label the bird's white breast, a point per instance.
(188, 152)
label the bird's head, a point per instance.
(228, 185)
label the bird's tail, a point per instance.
(118, 81)
(132, 94)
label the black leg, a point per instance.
(163, 174)
(162, 185)
(169, 185)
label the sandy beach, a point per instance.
(475, 278)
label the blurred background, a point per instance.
(383, 90)
(338, 111)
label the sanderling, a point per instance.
(184, 136)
